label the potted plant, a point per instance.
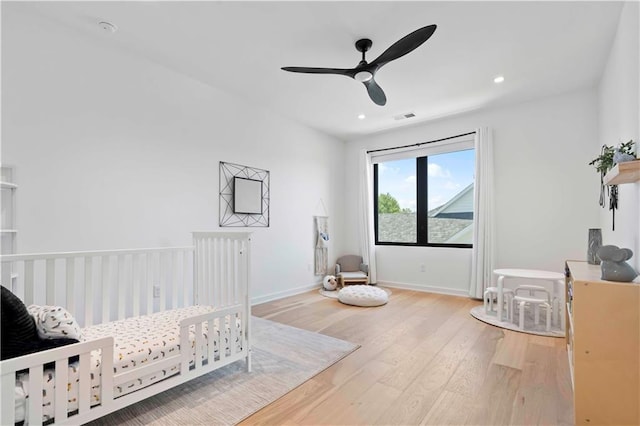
(605, 161)
(608, 158)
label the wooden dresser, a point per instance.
(603, 343)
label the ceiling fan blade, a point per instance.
(405, 45)
(375, 92)
(307, 70)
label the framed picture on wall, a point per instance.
(244, 196)
(247, 195)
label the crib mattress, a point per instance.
(138, 342)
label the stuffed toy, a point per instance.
(614, 267)
(330, 283)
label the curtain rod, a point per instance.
(421, 143)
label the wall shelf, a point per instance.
(627, 172)
(8, 185)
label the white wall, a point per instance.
(544, 192)
(619, 121)
(113, 151)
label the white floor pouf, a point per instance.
(363, 295)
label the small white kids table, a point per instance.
(556, 278)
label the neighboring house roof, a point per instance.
(397, 227)
(460, 205)
(464, 236)
(450, 223)
(401, 228)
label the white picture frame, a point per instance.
(247, 196)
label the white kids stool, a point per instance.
(492, 292)
(522, 302)
(535, 296)
(535, 290)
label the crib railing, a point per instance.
(221, 270)
(103, 286)
(35, 363)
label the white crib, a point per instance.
(102, 286)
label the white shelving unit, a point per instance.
(8, 231)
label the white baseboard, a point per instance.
(425, 288)
(282, 294)
(405, 286)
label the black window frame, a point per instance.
(422, 209)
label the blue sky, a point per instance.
(449, 174)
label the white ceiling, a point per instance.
(542, 48)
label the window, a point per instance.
(396, 201)
(426, 199)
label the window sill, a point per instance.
(387, 244)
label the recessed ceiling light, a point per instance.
(498, 79)
(361, 116)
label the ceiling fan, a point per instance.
(365, 72)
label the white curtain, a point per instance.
(483, 222)
(365, 215)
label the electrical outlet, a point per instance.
(156, 291)
(422, 268)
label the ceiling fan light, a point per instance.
(363, 76)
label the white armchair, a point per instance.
(351, 270)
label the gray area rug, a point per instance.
(284, 357)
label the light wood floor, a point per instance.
(423, 360)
